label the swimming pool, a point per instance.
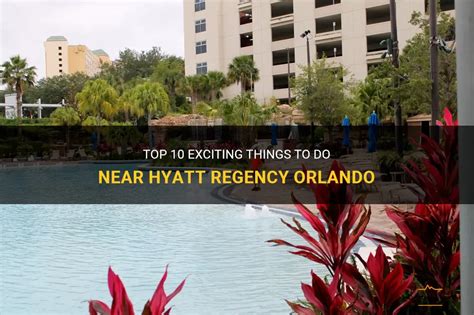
(55, 257)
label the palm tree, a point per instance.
(217, 81)
(242, 70)
(18, 75)
(98, 99)
(66, 116)
(195, 85)
(150, 99)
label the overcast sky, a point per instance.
(111, 25)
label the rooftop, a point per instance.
(100, 52)
(56, 39)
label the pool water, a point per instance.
(53, 258)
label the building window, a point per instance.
(199, 5)
(60, 48)
(246, 40)
(60, 65)
(201, 47)
(60, 59)
(60, 54)
(201, 68)
(245, 17)
(200, 26)
(60, 70)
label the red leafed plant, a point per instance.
(340, 227)
(388, 285)
(321, 297)
(121, 304)
(428, 241)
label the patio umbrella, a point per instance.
(373, 123)
(346, 126)
(274, 134)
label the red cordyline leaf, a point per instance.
(98, 308)
(323, 299)
(341, 224)
(388, 285)
(429, 239)
(157, 304)
(121, 304)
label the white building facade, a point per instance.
(347, 32)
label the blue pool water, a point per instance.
(55, 257)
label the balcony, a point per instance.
(445, 5)
(244, 4)
(280, 57)
(325, 3)
(329, 49)
(378, 14)
(283, 32)
(373, 42)
(282, 11)
(280, 81)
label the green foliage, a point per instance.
(170, 72)
(216, 82)
(243, 110)
(53, 90)
(414, 73)
(132, 64)
(149, 99)
(94, 121)
(99, 99)
(17, 75)
(196, 87)
(320, 93)
(369, 95)
(65, 116)
(243, 71)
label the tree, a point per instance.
(150, 99)
(414, 92)
(369, 95)
(55, 89)
(17, 75)
(243, 110)
(195, 86)
(170, 72)
(217, 81)
(242, 70)
(320, 93)
(98, 99)
(66, 116)
(131, 65)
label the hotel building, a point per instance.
(347, 32)
(62, 58)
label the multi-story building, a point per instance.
(62, 58)
(347, 32)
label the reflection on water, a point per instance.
(54, 258)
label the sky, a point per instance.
(111, 25)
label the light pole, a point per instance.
(396, 63)
(434, 68)
(288, 61)
(307, 34)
